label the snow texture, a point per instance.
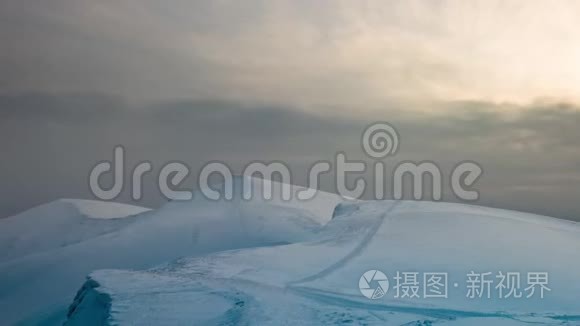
(273, 262)
(49, 250)
(315, 282)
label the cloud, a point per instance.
(530, 158)
(346, 55)
(290, 80)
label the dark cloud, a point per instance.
(49, 144)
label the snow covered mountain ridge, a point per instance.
(60, 223)
(315, 281)
(277, 262)
(66, 245)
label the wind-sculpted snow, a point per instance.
(315, 281)
(38, 282)
(59, 224)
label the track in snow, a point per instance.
(355, 252)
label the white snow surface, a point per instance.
(106, 210)
(59, 224)
(275, 262)
(48, 251)
(315, 282)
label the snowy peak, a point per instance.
(60, 240)
(59, 224)
(288, 260)
(307, 282)
(103, 210)
(251, 191)
(80, 208)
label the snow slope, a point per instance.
(104, 210)
(39, 284)
(59, 224)
(319, 209)
(316, 281)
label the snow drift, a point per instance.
(38, 280)
(315, 281)
(59, 224)
(274, 262)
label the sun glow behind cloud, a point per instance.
(298, 53)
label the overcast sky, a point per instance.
(496, 82)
